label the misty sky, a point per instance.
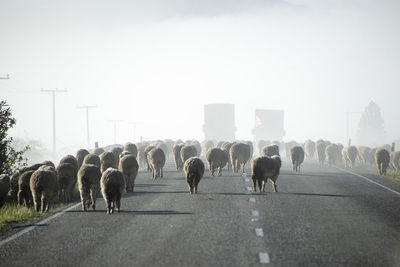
(158, 62)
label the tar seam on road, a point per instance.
(30, 228)
(264, 257)
(259, 232)
(369, 180)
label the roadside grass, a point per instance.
(11, 214)
(393, 175)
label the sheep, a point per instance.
(207, 144)
(372, 156)
(80, 155)
(264, 168)
(331, 154)
(141, 155)
(320, 147)
(116, 150)
(226, 146)
(395, 160)
(70, 159)
(129, 166)
(349, 154)
(24, 190)
(339, 154)
(297, 157)
(66, 181)
(107, 160)
(14, 184)
(194, 170)
(261, 144)
(188, 151)
(4, 188)
(239, 154)
(250, 143)
(89, 185)
(156, 159)
(309, 149)
(44, 187)
(163, 147)
(382, 158)
(288, 146)
(146, 151)
(177, 156)
(112, 186)
(216, 158)
(131, 148)
(219, 144)
(197, 145)
(97, 151)
(92, 159)
(48, 163)
(270, 150)
(363, 154)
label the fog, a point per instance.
(157, 63)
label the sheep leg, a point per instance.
(20, 198)
(83, 199)
(37, 201)
(162, 174)
(274, 185)
(118, 202)
(45, 203)
(261, 185)
(254, 183)
(219, 171)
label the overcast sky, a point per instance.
(158, 62)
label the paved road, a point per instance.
(321, 217)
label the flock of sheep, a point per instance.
(113, 170)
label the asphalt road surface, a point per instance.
(323, 216)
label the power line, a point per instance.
(54, 91)
(87, 107)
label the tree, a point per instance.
(10, 159)
(371, 130)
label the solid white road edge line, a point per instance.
(369, 180)
(264, 257)
(30, 228)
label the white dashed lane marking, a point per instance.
(247, 180)
(255, 213)
(264, 257)
(259, 232)
(249, 188)
(252, 199)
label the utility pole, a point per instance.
(348, 113)
(54, 91)
(134, 123)
(87, 121)
(5, 78)
(115, 129)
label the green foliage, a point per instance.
(10, 158)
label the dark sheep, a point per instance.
(264, 168)
(66, 181)
(297, 157)
(92, 159)
(112, 187)
(89, 185)
(129, 166)
(194, 170)
(382, 158)
(4, 188)
(24, 191)
(80, 155)
(131, 148)
(107, 160)
(146, 152)
(177, 156)
(270, 150)
(188, 151)
(97, 151)
(70, 159)
(217, 159)
(44, 187)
